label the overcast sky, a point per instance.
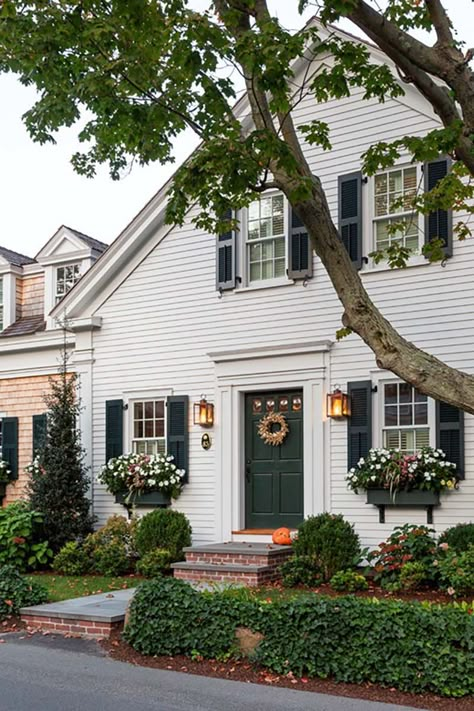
(39, 190)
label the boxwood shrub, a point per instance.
(416, 647)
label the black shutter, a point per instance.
(113, 429)
(226, 257)
(450, 434)
(350, 215)
(177, 431)
(10, 444)
(39, 433)
(359, 426)
(300, 254)
(438, 224)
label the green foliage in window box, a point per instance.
(458, 537)
(154, 563)
(330, 540)
(348, 581)
(301, 570)
(163, 528)
(17, 592)
(395, 471)
(20, 544)
(416, 647)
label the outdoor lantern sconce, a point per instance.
(203, 413)
(337, 404)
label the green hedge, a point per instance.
(413, 646)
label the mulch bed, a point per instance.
(243, 670)
(11, 624)
(374, 590)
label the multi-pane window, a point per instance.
(405, 418)
(66, 277)
(394, 191)
(1, 304)
(148, 427)
(266, 250)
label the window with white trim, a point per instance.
(406, 418)
(1, 304)
(267, 227)
(148, 426)
(66, 277)
(393, 193)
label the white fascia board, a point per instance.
(79, 325)
(32, 269)
(66, 257)
(46, 253)
(34, 342)
(137, 240)
(7, 268)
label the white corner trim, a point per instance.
(271, 351)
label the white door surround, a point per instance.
(297, 366)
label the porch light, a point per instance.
(203, 413)
(337, 404)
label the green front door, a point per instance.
(274, 474)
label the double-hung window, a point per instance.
(267, 227)
(393, 195)
(66, 277)
(148, 427)
(406, 416)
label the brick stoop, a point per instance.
(83, 628)
(93, 616)
(250, 564)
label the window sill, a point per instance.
(268, 284)
(417, 261)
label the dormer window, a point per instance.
(66, 277)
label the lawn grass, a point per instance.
(65, 587)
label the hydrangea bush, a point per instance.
(137, 474)
(392, 469)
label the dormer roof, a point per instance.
(15, 258)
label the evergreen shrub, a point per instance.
(163, 528)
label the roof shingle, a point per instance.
(18, 260)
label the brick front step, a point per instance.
(250, 575)
(60, 625)
(238, 554)
(244, 563)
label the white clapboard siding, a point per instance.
(163, 320)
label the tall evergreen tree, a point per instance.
(59, 483)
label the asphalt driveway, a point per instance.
(48, 673)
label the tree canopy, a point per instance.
(137, 73)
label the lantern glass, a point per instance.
(203, 413)
(337, 405)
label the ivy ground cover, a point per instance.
(415, 647)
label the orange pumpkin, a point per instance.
(282, 537)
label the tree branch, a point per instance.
(441, 22)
